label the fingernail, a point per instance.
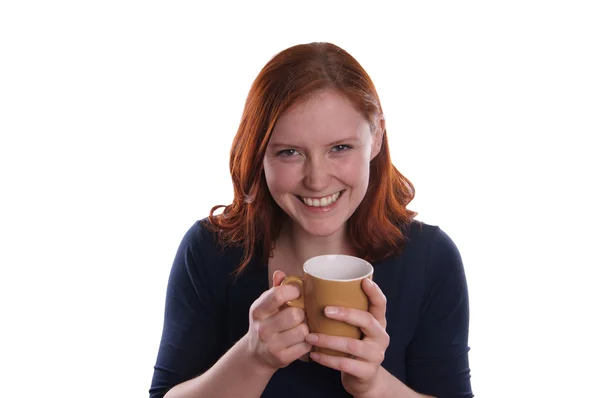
(331, 310)
(315, 356)
(312, 338)
(274, 275)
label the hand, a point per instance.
(276, 334)
(362, 374)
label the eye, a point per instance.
(341, 148)
(286, 153)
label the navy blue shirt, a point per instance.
(206, 313)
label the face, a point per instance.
(317, 162)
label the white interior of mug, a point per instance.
(338, 267)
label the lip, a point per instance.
(321, 209)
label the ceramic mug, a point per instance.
(331, 280)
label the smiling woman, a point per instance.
(329, 178)
(312, 176)
(313, 127)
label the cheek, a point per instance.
(355, 169)
(280, 178)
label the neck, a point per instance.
(302, 246)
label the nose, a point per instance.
(317, 175)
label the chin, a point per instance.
(322, 229)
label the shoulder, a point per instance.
(440, 259)
(200, 246)
(200, 235)
(426, 250)
(198, 242)
(430, 252)
(429, 240)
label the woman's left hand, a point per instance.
(361, 373)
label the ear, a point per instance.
(378, 137)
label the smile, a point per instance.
(323, 201)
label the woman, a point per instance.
(312, 175)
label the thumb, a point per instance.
(278, 277)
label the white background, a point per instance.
(116, 119)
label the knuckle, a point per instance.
(254, 311)
(372, 321)
(297, 315)
(301, 331)
(352, 345)
(378, 354)
(289, 317)
(277, 295)
(345, 365)
(262, 332)
(383, 300)
(304, 329)
(386, 340)
(323, 340)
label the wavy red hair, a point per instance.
(253, 220)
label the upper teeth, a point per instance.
(319, 202)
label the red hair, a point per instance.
(253, 220)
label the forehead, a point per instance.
(324, 114)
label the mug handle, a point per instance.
(299, 302)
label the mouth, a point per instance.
(324, 201)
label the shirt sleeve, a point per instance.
(437, 358)
(190, 342)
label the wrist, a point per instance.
(381, 387)
(387, 385)
(251, 360)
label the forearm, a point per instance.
(234, 375)
(390, 386)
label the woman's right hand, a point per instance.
(277, 332)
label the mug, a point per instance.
(331, 280)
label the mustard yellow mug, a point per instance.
(331, 280)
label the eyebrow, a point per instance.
(334, 143)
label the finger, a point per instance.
(359, 369)
(370, 326)
(365, 350)
(377, 300)
(272, 299)
(278, 277)
(290, 337)
(283, 320)
(295, 352)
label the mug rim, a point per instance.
(354, 258)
